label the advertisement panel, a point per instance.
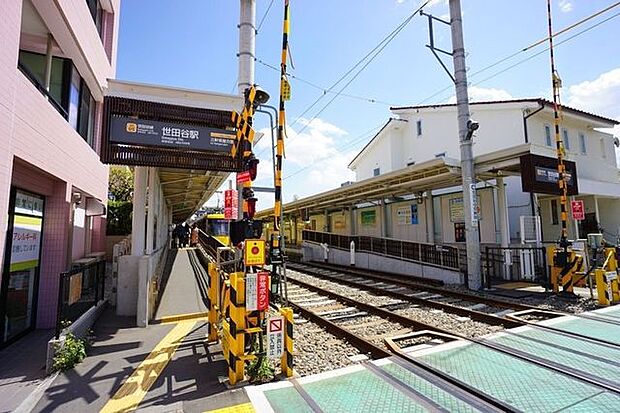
(26, 243)
(131, 131)
(368, 218)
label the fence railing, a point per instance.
(439, 255)
(80, 288)
(211, 244)
(515, 263)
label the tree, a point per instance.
(120, 187)
(120, 206)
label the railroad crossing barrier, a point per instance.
(237, 314)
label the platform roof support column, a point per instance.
(139, 209)
(502, 208)
(326, 223)
(352, 221)
(384, 223)
(152, 210)
(504, 228)
(430, 218)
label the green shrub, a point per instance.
(119, 217)
(70, 354)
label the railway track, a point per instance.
(482, 309)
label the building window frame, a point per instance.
(548, 140)
(602, 145)
(418, 126)
(582, 144)
(566, 139)
(376, 171)
(554, 212)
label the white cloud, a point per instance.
(480, 94)
(319, 152)
(600, 96)
(565, 6)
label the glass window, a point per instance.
(582, 143)
(554, 212)
(603, 152)
(419, 127)
(34, 63)
(74, 98)
(566, 140)
(86, 119)
(548, 135)
(376, 172)
(97, 13)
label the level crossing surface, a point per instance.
(542, 370)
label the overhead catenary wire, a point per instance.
(530, 47)
(262, 20)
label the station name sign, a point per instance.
(539, 174)
(140, 132)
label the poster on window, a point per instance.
(28, 204)
(339, 222)
(403, 215)
(457, 213)
(26, 243)
(368, 218)
(414, 214)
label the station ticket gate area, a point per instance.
(569, 373)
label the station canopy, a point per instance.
(439, 173)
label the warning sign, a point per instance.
(578, 209)
(243, 177)
(254, 252)
(275, 337)
(257, 291)
(231, 204)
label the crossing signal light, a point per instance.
(252, 167)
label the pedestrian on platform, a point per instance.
(194, 236)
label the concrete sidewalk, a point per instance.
(163, 367)
(22, 368)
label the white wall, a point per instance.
(487, 216)
(609, 210)
(599, 161)
(404, 229)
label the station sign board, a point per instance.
(231, 203)
(257, 291)
(254, 253)
(275, 337)
(539, 174)
(131, 131)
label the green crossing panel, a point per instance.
(565, 357)
(428, 389)
(595, 329)
(287, 399)
(523, 385)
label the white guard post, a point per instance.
(352, 253)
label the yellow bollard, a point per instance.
(212, 300)
(286, 360)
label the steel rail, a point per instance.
(396, 279)
(448, 308)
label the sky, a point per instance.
(193, 44)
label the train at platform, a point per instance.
(215, 225)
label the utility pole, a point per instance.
(466, 130)
(246, 55)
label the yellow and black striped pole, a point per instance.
(559, 144)
(286, 361)
(277, 209)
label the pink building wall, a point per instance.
(39, 150)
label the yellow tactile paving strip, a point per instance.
(133, 390)
(239, 408)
